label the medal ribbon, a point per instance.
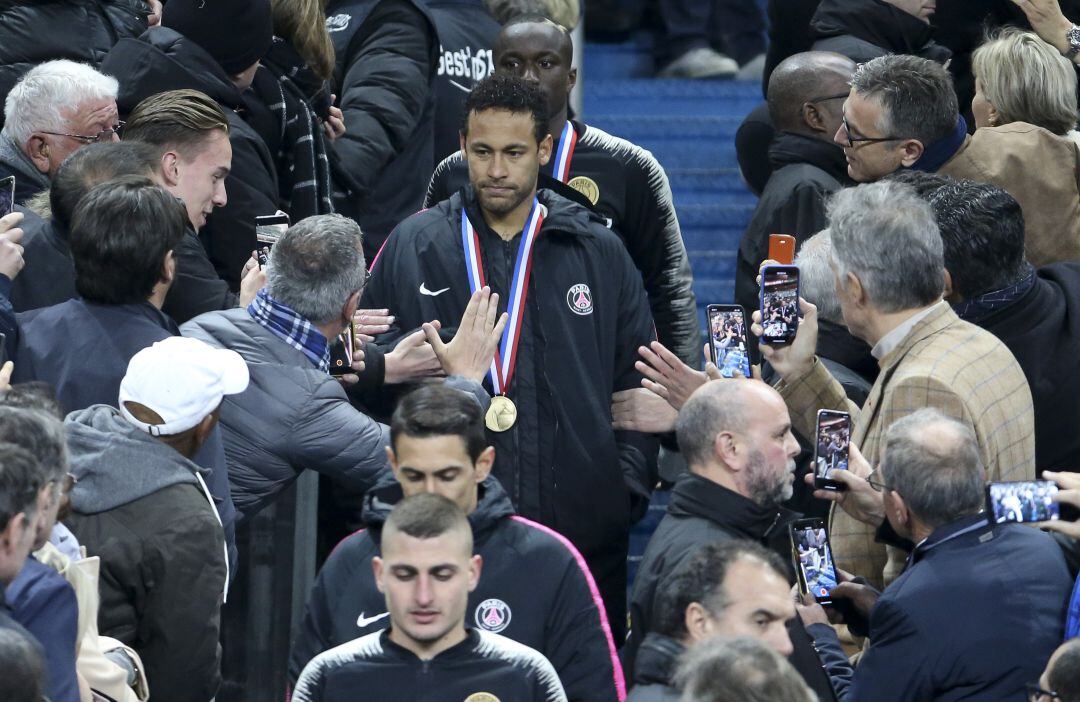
(502, 366)
(565, 153)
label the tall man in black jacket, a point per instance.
(570, 341)
(535, 587)
(617, 179)
(737, 440)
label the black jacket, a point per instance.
(561, 463)
(79, 30)
(1042, 330)
(654, 677)
(160, 60)
(533, 582)
(865, 29)
(48, 278)
(196, 287)
(482, 667)
(635, 198)
(139, 506)
(387, 56)
(702, 512)
(806, 171)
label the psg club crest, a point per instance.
(493, 615)
(579, 297)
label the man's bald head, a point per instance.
(722, 406)
(799, 80)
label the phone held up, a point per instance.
(831, 441)
(727, 339)
(1022, 501)
(342, 351)
(779, 304)
(814, 564)
(268, 229)
(782, 248)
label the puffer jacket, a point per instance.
(79, 30)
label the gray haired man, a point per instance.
(294, 414)
(889, 272)
(55, 109)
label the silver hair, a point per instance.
(44, 98)
(39, 433)
(886, 235)
(817, 283)
(739, 669)
(933, 461)
(917, 95)
(316, 265)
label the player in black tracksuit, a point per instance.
(621, 181)
(532, 589)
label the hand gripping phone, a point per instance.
(779, 304)
(342, 350)
(727, 339)
(831, 440)
(814, 564)
(268, 229)
(1022, 501)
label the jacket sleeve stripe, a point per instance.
(616, 666)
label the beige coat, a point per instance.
(945, 363)
(1042, 171)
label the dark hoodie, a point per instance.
(139, 506)
(161, 60)
(865, 29)
(534, 589)
(654, 677)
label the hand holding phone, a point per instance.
(268, 229)
(779, 304)
(831, 441)
(342, 352)
(814, 564)
(727, 339)
(1022, 501)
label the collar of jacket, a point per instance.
(657, 659)
(492, 507)
(965, 525)
(141, 309)
(981, 306)
(458, 651)
(789, 148)
(941, 151)
(934, 322)
(874, 21)
(695, 496)
(24, 168)
(563, 216)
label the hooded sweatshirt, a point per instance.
(144, 508)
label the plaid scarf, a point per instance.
(303, 165)
(281, 321)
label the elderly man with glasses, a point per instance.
(57, 108)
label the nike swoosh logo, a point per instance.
(363, 621)
(425, 291)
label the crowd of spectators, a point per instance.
(474, 319)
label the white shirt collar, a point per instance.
(888, 343)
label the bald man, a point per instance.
(618, 180)
(737, 441)
(806, 97)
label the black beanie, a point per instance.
(237, 33)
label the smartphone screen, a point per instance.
(831, 447)
(813, 558)
(341, 352)
(268, 229)
(779, 304)
(7, 195)
(727, 337)
(782, 248)
(1023, 501)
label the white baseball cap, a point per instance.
(183, 380)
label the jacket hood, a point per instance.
(493, 506)
(695, 496)
(788, 148)
(162, 59)
(115, 463)
(879, 23)
(657, 659)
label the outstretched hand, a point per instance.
(667, 376)
(1069, 494)
(1048, 21)
(473, 347)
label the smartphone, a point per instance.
(1022, 501)
(813, 557)
(7, 195)
(342, 350)
(833, 437)
(782, 248)
(779, 304)
(268, 229)
(727, 339)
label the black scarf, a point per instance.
(788, 148)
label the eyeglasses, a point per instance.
(105, 134)
(853, 140)
(1037, 694)
(880, 487)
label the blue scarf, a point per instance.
(980, 306)
(281, 321)
(938, 154)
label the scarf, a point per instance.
(292, 328)
(980, 306)
(938, 153)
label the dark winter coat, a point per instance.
(865, 29)
(654, 675)
(48, 278)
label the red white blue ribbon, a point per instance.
(502, 366)
(565, 154)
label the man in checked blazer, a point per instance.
(889, 269)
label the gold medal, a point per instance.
(587, 187)
(501, 414)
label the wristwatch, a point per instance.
(1073, 37)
